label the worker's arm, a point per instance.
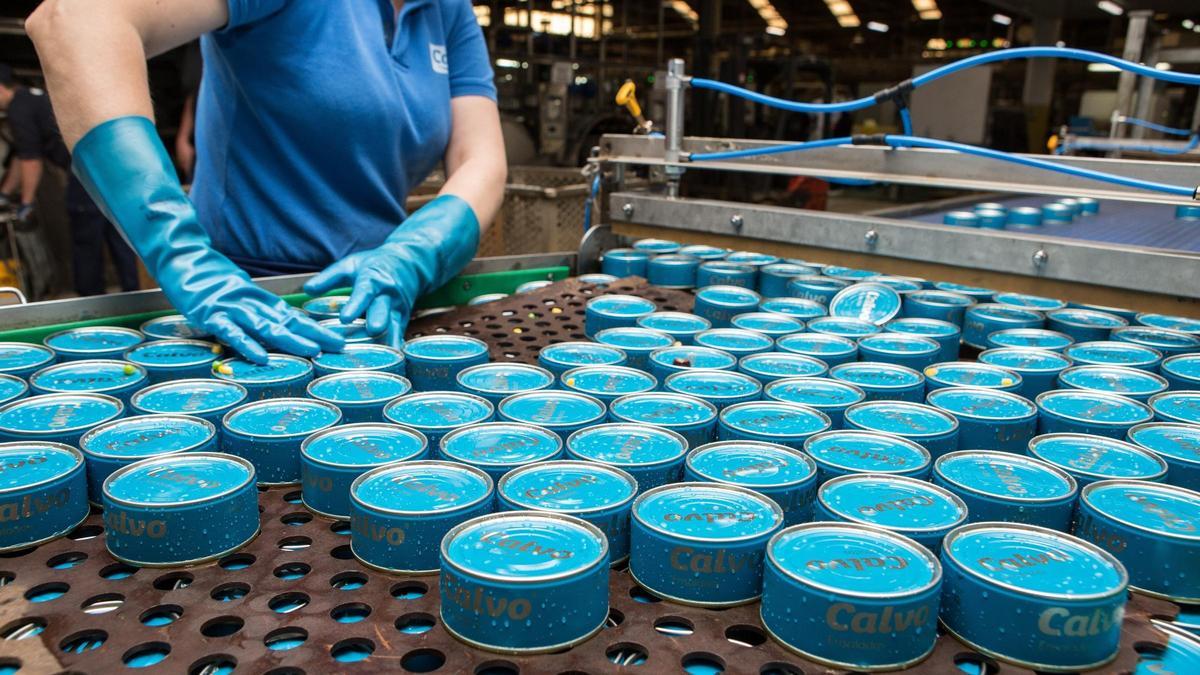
(31, 178)
(476, 167)
(11, 182)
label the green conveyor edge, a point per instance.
(457, 292)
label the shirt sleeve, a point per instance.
(245, 12)
(466, 51)
(22, 120)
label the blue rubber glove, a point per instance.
(420, 256)
(127, 172)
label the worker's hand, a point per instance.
(425, 252)
(26, 218)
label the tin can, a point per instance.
(57, 418)
(637, 343)
(1063, 599)
(654, 456)
(982, 320)
(207, 399)
(1088, 206)
(1176, 406)
(771, 366)
(910, 507)
(1138, 385)
(614, 311)
(988, 419)
(118, 379)
(911, 351)
(172, 326)
(1183, 324)
(496, 381)
(562, 412)
(719, 304)
(1167, 342)
(734, 341)
(771, 421)
(499, 447)
(12, 388)
(851, 274)
(437, 413)
(1006, 487)
(434, 361)
(831, 350)
(1089, 412)
(624, 262)
(360, 395)
(122, 442)
(1181, 371)
(1177, 444)
(597, 279)
(1057, 214)
(595, 493)
(327, 307)
(816, 288)
(701, 543)
(331, 460)
(283, 376)
(899, 284)
(269, 434)
(524, 581)
(353, 333)
(1025, 217)
(991, 220)
(668, 360)
(560, 357)
(946, 334)
(1030, 338)
(976, 293)
(796, 308)
(990, 206)
(1094, 458)
(882, 381)
(531, 286)
(828, 396)
(1038, 368)
(672, 271)
(1026, 301)
(721, 388)
(20, 359)
(773, 279)
(1127, 314)
(656, 246)
(1113, 353)
(961, 219)
(865, 301)
(851, 329)
(705, 252)
(771, 324)
(692, 418)
(934, 429)
(44, 494)
(608, 383)
(786, 475)
(752, 258)
(173, 359)
(850, 451)
(968, 374)
(362, 356)
(1084, 325)
(851, 596)
(400, 511)
(180, 509)
(1073, 205)
(1187, 212)
(681, 326)
(945, 306)
(725, 273)
(93, 342)
(1153, 529)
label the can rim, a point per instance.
(765, 315)
(932, 346)
(102, 398)
(416, 395)
(116, 329)
(1040, 463)
(223, 456)
(619, 329)
(1075, 317)
(454, 466)
(1179, 357)
(829, 318)
(13, 378)
(1038, 352)
(782, 449)
(742, 332)
(155, 388)
(309, 388)
(308, 369)
(180, 417)
(853, 388)
(601, 560)
(756, 386)
(693, 400)
(931, 296)
(1013, 295)
(701, 323)
(1147, 332)
(628, 252)
(855, 365)
(1123, 400)
(593, 305)
(1133, 372)
(821, 415)
(820, 282)
(459, 378)
(945, 415)
(623, 475)
(1136, 449)
(892, 438)
(745, 363)
(1139, 318)
(80, 461)
(982, 391)
(1150, 485)
(621, 370)
(361, 426)
(640, 426)
(775, 509)
(476, 342)
(1040, 331)
(361, 347)
(861, 287)
(986, 307)
(851, 347)
(45, 351)
(562, 393)
(957, 501)
(676, 258)
(752, 296)
(539, 430)
(1156, 424)
(728, 265)
(294, 401)
(212, 348)
(1155, 355)
(547, 352)
(169, 318)
(1152, 403)
(70, 364)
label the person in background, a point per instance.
(36, 140)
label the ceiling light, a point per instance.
(1002, 19)
(844, 13)
(927, 9)
(776, 30)
(930, 15)
(851, 21)
(877, 26)
(685, 10)
(1110, 7)
(1189, 24)
(776, 25)
(936, 44)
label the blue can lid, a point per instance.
(146, 436)
(178, 480)
(1005, 474)
(940, 298)
(354, 332)
(628, 445)
(193, 397)
(96, 375)
(752, 464)
(919, 326)
(689, 356)
(634, 339)
(817, 282)
(675, 260)
(628, 254)
(626, 306)
(768, 323)
(704, 252)
(567, 486)
(816, 344)
(707, 512)
(439, 410)
(1058, 211)
(1022, 359)
(832, 557)
(445, 347)
(1182, 365)
(1025, 215)
(497, 547)
(361, 356)
(877, 375)
(1116, 379)
(663, 409)
(713, 384)
(552, 408)
(775, 419)
(782, 364)
(93, 339)
(173, 326)
(597, 279)
(982, 404)
(799, 308)
(1087, 318)
(1005, 314)
(728, 296)
(365, 444)
(867, 451)
(1094, 407)
(278, 368)
(788, 270)
(608, 380)
(991, 206)
(842, 272)
(327, 307)
(974, 292)
(1033, 338)
(173, 353)
(1097, 457)
(1181, 406)
(753, 258)
(421, 488)
(501, 444)
(673, 323)
(871, 302)
(58, 413)
(581, 354)
(897, 503)
(480, 300)
(1074, 569)
(726, 268)
(1183, 324)
(281, 417)
(30, 463)
(815, 392)
(1169, 439)
(11, 387)
(969, 374)
(842, 327)
(1157, 337)
(530, 286)
(898, 284)
(1026, 301)
(359, 386)
(1111, 352)
(657, 246)
(504, 378)
(967, 218)
(912, 420)
(897, 343)
(1164, 510)
(20, 355)
(734, 340)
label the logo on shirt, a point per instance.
(437, 57)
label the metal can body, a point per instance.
(1062, 598)
(614, 311)
(282, 376)
(914, 508)
(830, 349)
(653, 456)
(118, 379)
(786, 475)
(692, 418)
(1169, 342)
(122, 442)
(656, 246)
(360, 395)
(94, 342)
(1138, 385)
(1075, 411)
(992, 220)
(208, 399)
(499, 447)
(166, 360)
(988, 419)
(12, 388)
(771, 324)
(722, 388)
(1177, 406)
(1057, 214)
(851, 274)
(866, 301)
(1178, 445)
(934, 429)
(672, 271)
(331, 460)
(680, 326)
(702, 543)
(608, 383)
(752, 258)
(911, 351)
(1038, 368)
(961, 219)
(327, 307)
(1181, 371)
(269, 433)
(817, 288)
(597, 279)
(719, 304)
(57, 418)
(595, 493)
(1090, 458)
(774, 366)
(434, 361)
(669, 360)
(353, 333)
(1006, 487)
(849, 328)
(1183, 324)
(796, 308)
(882, 381)
(704, 251)
(400, 511)
(1030, 338)
(531, 286)
(1153, 529)
(1027, 301)
(44, 495)
(497, 381)
(773, 279)
(1084, 325)
(437, 413)
(724, 273)
(21, 359)
(848, 451)
(1114, 353)
(1024, 217)
(851, 596)
(524, 582)
(180, 509)
(625, 262)
(935, 304)
(361, 356)
(899, 284)
(562, 412)
(172, 326)
(771, 421)
(636, 342)
(560, 357)
(828, 396)
(982, 320)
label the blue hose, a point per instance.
(770, 150)
(1192, 144)
(587, 205)
(1173, 131)
(906, 120)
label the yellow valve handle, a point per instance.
(627, 96)
(1052, 143)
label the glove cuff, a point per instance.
(447, 232)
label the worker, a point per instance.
(314, 121)
(36, 140)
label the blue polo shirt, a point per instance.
(317, 117)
